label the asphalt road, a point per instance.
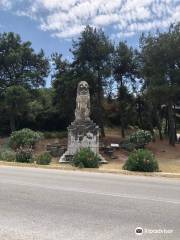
(38, 204)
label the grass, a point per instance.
(68, 167)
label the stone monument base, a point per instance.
(82, 134)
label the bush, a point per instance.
(24, 155)
(24, 138)
(7, 155)
(86, 158)
(141, 160)
(43, 159)
(140, 138)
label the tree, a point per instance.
(16, 104)
(92, 54)
(64, 84)
(19, 64)
(41, 110)
(125, 71)
(145, 113)
(161, 71)
(127, 108)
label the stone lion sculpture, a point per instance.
(82, 102)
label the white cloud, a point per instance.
(6, 4)
(67, 18)
(69, 32)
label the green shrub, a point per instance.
(24, 138)
(141, 160)
(7, 155)
(86, 158)
(140, 138)
(43, 159)
(24, 155)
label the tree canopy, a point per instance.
(19, 64)
(128, 87)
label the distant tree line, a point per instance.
(128, 87)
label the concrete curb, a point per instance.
(71, 168)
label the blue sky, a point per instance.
(52, 24)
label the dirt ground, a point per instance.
(167, 156)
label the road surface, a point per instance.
(38, 204)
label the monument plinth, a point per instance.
(83, 132)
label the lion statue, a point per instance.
(82, 102)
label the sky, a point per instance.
(52, 24)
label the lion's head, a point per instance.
(83, 88)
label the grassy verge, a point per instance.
(102, 169)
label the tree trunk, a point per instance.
(175, 124)
(160, 132)
(139, 113)
(152, 133)
(100, 117)
(121, 110)
(159, 126)
(12, 123)
(101, 124)
(151, 126)
(100, 107)
(172, 125)
(166, 130)
(122, 127)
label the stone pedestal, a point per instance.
(81, 134)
